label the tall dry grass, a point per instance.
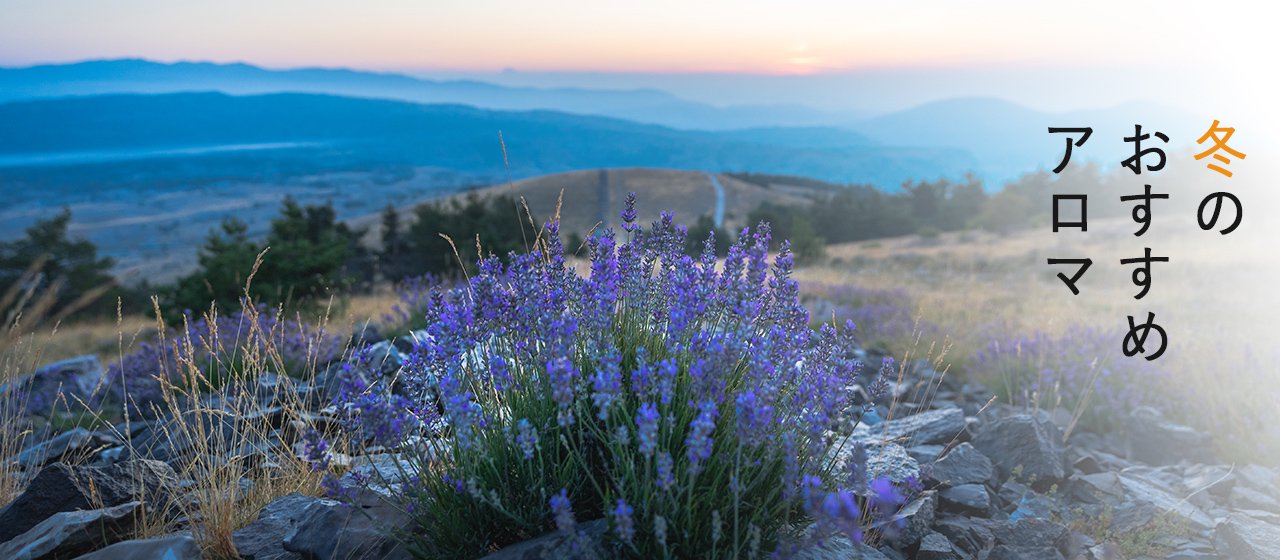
(238, 431)
(1215, 298)
(238, 417)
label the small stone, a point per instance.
(971, 498)
(915, 518)
(972, 536)
(925, 454)
(964, 464)
(935, 546)
(891, 461)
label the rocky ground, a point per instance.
(1000, 483)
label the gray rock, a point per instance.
(1103, 487)
(1216, 480)
(364, 528)
(1243, 497)
(1156, 441)
(263, 539)
(384, 473)
(935, 546)
(1033, 505)
(177, 547)
(1246, 538)
(934, 427)
(972, 536)
(71, 533)
(1087, 464)
(838, 548)
(585, 543)
(924, 454)
(1007, 552)
(76, 443)
(60, 487)
(1131, 516)
(912, 522)
(1144, 491)
(1030, 538)
(962, 465)
(970, 498)
(1024, 444)
(891, 461)
(1261, 479)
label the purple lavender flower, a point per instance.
(698, 442)
(666, 467)
(563, 375)
(315, 449)
(647, 428)
(629, 212)
(607, 382)
(562, 511)
(623, 525)
(526, 438)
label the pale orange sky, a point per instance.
(1193, 55)
(742, 36)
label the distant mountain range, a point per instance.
(42, 138)
(395, 118)
(142, 76)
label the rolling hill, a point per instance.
(98, 77)
(48, 143)
(593, 198)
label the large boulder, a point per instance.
(934, 427)
(77, 443)
(61, 487)
(1156, 441)
(365, 528)
(176, 547)
(71, 533)
(1026, 445)
(263, 539)
(1246, 538)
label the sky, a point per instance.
(829, 54)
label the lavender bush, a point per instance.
(1082, 370)
(885, 317)
(687, 405)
